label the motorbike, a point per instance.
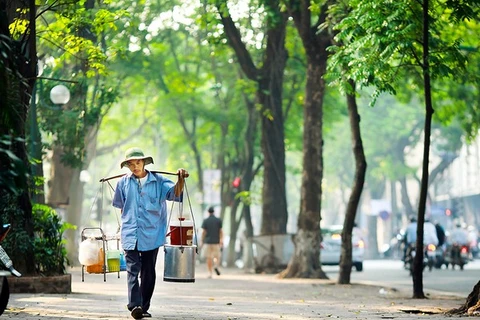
(9, 270)
(458, 255)
(440, 257)
(431, 255)
(395, 248)
(435, 256)
(410, 255)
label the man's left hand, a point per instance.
(182, 173)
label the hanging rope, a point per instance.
(180, 214)
(180, 206)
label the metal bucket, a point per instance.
(179, 265)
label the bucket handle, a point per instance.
(171, 230)
(193, 220)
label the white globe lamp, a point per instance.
(60, 94)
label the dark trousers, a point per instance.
(140, 264)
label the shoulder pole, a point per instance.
(121, 175)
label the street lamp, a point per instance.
(60, 95)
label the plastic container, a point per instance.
(97, 268)
(113, 260)
(123, 262)
(181, 232)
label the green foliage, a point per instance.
(47, 246)
(245, 197)
(12, 166)
(381, 44)
(73, 46)
(457, 98)
(18, 243)
(49, 249)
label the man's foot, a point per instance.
(217, 271)
(146, 314)
(137, 313)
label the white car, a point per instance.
(331, 245)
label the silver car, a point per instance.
(330, 247)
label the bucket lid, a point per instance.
(178, 246)
(184, 223)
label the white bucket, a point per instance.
(179, 264)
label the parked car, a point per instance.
(331, 244)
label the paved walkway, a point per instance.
(232, 295)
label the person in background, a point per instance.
(458, 235)
(141, 196)
(429, 233)
(212, 241)
(410, 235)
(442, 243)
(440, 233)
(473, 240)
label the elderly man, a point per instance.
(141, 196)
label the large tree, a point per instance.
(75, 56)
(380, 53)
(308, 18)
(18, 66)
(269, 79)
(357, 186)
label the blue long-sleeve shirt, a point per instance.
(144, 210)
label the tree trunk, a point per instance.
(305, 261)
(359, 180)
(405, 198)
(471, 307)
(248, 263)
(418, 261)
(60, 180)
(269, 95)
(274, 201)
(18, 74)
(66, 192)
(231, 256)
(191, 133)
(247, 179)
(74, 216)
(35, 151)
(247, 174)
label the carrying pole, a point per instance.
(121, 175)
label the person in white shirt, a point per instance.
(411, 232)
(429, 233)
(458, 235)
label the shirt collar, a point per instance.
(149, 175)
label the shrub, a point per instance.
(49, 245)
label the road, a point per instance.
(391, 273)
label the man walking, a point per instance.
(212, 241)
(141, 196)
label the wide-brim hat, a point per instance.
(135, 154)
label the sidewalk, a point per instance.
(233, 295)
